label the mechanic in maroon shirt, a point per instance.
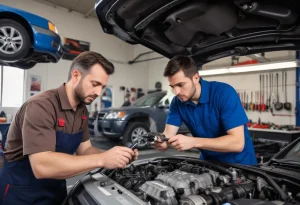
(46, 132)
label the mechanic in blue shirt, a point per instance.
(213, 113)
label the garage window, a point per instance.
(12, 86)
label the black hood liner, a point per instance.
(204, 29)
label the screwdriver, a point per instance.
(251, 102)
(132, 145)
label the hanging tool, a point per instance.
(255, 104)
(269, 100)
(287, 105)
(243, 104)
(273, 91)
(245, 100)
(274, 103)
(267, 96)
(263, 106)
(282, 80)
(278, 105)
(259, 103)
(248, 104)
(251, 102)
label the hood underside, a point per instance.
(206, 30)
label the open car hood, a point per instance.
(206, 30)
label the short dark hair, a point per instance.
(87, 59)
(184, 63)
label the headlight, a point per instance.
(115, 115)
(52, 27)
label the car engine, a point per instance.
(187, 181)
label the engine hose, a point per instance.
(205, 163)
(286, 181)
(227, 194)
(281, 193)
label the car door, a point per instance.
(161, 110)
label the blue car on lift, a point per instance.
(27, 39)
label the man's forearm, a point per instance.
(62, 166)
(227, 143)
(92, 150)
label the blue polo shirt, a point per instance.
(219, 109)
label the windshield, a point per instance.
(149, 100)
(294, 153)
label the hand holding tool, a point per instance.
(147, 139)
(155, 137)
(131, 145)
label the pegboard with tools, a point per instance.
(267, 98)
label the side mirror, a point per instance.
(163, 106)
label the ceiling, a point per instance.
(85, 7)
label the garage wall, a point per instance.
(250, 82)
(242, 82)
(74, 25)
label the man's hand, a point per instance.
(182, 142)
(118, 157)
(136, 154)
(170, 130)
(160, 145)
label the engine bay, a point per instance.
(187, 181)
(193, 182)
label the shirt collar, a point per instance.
(205, 91)
(63, 98)
(204, 96)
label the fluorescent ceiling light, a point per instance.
(214, 72)
(250, 68)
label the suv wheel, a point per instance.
(133, 131)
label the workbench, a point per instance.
(281, 136)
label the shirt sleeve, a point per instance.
(231, 109)
(174, 117)
(85, 127)
(38, 128)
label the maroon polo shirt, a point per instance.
(34, 126)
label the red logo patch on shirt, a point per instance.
(61, 122)
(84, 117)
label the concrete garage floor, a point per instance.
(105, 144)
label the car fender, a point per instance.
(153, 126)
(32, 19)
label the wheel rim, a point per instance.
(11, 40)
(137, 132)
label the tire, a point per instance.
(131, 129)
(22, 40)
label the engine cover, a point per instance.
(159, 193)
(186, 183)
